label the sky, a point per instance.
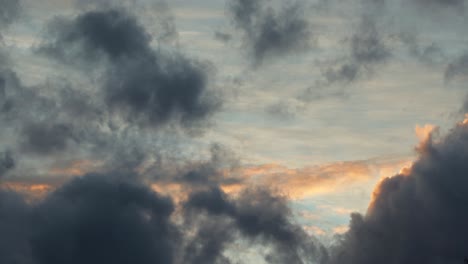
(233, 131)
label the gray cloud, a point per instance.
(457, 67)
(260, 217)
(14, 227)
(9, 11)
(7, 162)
(97, 219)
(102, 218)
(270, 33)
(46, 138)
(367, 49)
(457, 4)
(418, 217)
(142, 85)
(222, 36)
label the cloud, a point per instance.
(6, 162)
(222, 36)
(46, 138)
(103, 220)
(457, 4)
(457, 67)
(367, 49)
(417, 216)
(9, 11)
(14, 213)
(93, 219)
(142, 85)
(314, 180)
(260, 217)
(270, 33)
(100, 218)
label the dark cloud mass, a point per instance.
(106, 131)
(270, 33)
(142, 85)
(103, 220)
(112, 218)
(419, 216)
(94, 219)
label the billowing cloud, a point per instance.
(418, 216)
(270, 33)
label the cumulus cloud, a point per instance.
(417, 216)
(270, 33)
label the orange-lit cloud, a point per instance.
(340, 229)
(425, 135)
(315, 230)
(296, 183)
(32, 191)
(315, 180)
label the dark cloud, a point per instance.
(110, 32)
(14, 229)
(99, 220)
(260, 217)
(7, 162)
(142, 85)
(93, 219)
(113, 218)
(419, 216)
(270, 33)
(46, 138)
